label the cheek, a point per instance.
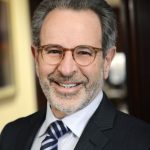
(94, 71)
(98, 67)
(43, 70)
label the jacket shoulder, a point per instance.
(25, 120)
(133, 131)
(20, 127)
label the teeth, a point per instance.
(67, 85)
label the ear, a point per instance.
(34, 53)
(35, 56)
(107, 61)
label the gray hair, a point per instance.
(100, 7)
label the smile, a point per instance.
(68, 85)
(66, 88)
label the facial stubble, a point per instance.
(70, 103)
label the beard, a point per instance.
(69, 103)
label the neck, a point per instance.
(58, 114)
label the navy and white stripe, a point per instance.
(56, 130)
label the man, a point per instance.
(73, 47)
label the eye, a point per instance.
(53, 50)
(84, 51)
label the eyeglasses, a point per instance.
(83, 55)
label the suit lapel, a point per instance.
(26, 136)
(93, 137)
(97, 132)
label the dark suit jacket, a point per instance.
(108, 129)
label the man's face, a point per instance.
(68, 86)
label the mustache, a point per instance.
(62, 79)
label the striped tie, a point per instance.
(56, 130)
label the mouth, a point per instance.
(68, 85)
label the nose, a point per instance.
(68, 66)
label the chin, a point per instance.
(69, 104)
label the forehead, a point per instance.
(71, 25)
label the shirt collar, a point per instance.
(77, 121)
(48, 120)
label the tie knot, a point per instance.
(57, 129)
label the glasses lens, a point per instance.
(84, 55)
(52, 54)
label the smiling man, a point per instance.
(73, 47)
(71, 65)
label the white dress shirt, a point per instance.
(76, 122)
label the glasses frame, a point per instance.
(64, 49)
